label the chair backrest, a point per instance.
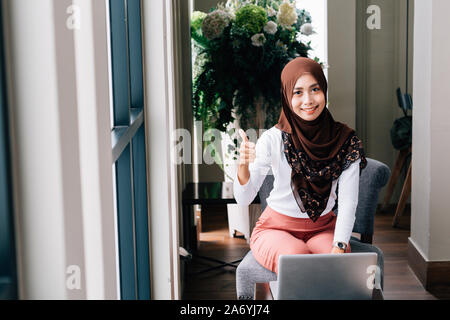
(373, 177)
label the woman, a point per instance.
(309, 153)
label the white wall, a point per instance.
(381, 69)
(342, 60)
(430, 221)
(440, 132)
(420, 192)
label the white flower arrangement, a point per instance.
(271, 12)
(258, 39)
(214, 23)
(287, 16)
(271, 27)
(307, 29)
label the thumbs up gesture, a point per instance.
(247, 151)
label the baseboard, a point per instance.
(417, 263)
(434, 275)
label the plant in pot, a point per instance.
(240, 49)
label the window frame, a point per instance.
(129, 148)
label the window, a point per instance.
(8, 275)
(318, 11)
(129, 153)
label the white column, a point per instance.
(160, 122)
(430, 220)
(93, 94)
(61, 149)
(47, 195)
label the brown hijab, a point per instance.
(318, 150)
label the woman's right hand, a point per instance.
(247, 154)
(247, 151)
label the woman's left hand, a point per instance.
(337, 250)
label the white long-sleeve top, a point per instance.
(270, 155)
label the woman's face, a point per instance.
(308, 99)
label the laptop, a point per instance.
(349, 276)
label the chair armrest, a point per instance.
(373, 178)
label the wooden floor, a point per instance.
(400, 283)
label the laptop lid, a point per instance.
(347, 276)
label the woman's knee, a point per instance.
(294, 247)
(321, 243)
(274, 244)
(267, 249)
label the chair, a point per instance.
(373, 178)
(242, 219)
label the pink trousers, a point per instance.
(276, 234)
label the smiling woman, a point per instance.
(309, 153)
(308, 103)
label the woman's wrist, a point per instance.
(243, 174)
(339, 247)
(337, 250)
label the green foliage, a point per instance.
(251, 18)
(197, 20)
